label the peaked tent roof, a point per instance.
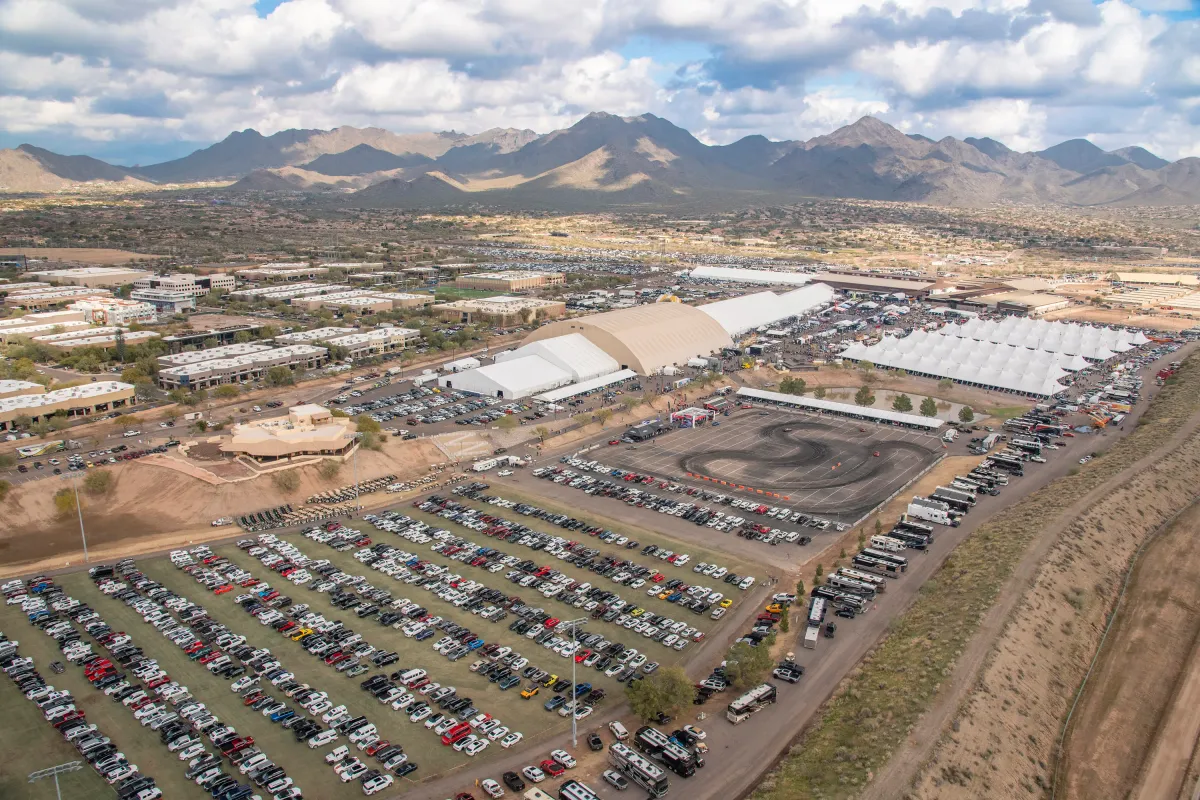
(572, 353)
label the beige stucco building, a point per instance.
(501, 310)
(91, 277)
(308, 430)
(76, 401)
(510, 281)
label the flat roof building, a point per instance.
(195, 285)
(364, 301)
(114, 310)
(169, 301)
(90, 338)
(509, 280)
(235, 369)
(520, 377)
(223, 335)
(91, 277)
(44, 317)
(314, 335)
(290, 271)
(49, 298)
(76, 401)
(308, 430)
(376, 342)
(224, 351)
(32, 331)
(17, 388)
(501, 310)
(286, 292)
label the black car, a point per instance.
(513, 781)
(595, 742)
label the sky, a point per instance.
(140, 81)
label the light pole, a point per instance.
(574, 624)
(79, 509)
(54, 772)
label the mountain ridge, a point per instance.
(604, 159)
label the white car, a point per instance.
(491, 788)
(533, 774)
(699, 733)
(322, 738)
(511, 740)
(504, 473)
(378, 784)
(564, 758)
(476, 746)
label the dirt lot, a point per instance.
(1145, 677)
(151, 508)
(86, 255)
(1001, 744)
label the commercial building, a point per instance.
(42, 318)
(646, 338)
(314, 335)
(501, 310)
(77, 401)
(224, 335)
(509, 281)
(22, 286)
(195, 285)
(91, 277)
(17, 388)
(167, 301)
(1032, 304)
(301, 289)
(380, 276)
(224, 351)
(1158, 279)
(114, 310)
(103, 338)
(284, 271)
(235, 369)
(308, 430)
(363, 301)
(10, 332)
(376, 342)
(49, 298)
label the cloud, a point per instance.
(89, 73)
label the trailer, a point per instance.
(816, 612)
(810, 637)
(846, 584)
(485, 465)
(883, 555)
(915, 527)
(888, 543)
(864, 577)
(886, 569)
(929, 511)
(915, 541)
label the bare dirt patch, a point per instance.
(88, 255)
(1148, 662)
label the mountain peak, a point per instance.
(872, 132)
(1080, 155)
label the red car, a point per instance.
(228, 587)
(581, 655)
(614, 441)
(157, 682)
(375, 748)
(1068, 434)
(193, 647)
(552, 768)
(213, 656)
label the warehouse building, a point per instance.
(76, 401)
(91, 277)
(224, 351)
(363, 301)
(284, 271)
(646, 338)
(501, 310)
(509, 281)
(103, 338)
(376, 342)
(9, 333)
(1158, 279)
(235, 369)
(49, 298)
(16, 388)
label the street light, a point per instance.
(70, 476)
(54, 772)
(574, 625)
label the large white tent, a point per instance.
(986, 364)
(741, 314)
(1096, 343)
(519, 377)
(572, 353)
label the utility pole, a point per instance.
(54, 772)
(575, 624)
(79, 510)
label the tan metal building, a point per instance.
(91, 277)
(646, 338)
(510, 281)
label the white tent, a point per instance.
(1096, 343)
(518, 377)
(572, 353)
(738, 275)
(741, 314)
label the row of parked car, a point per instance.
(58, 707)
(184, 728)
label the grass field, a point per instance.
(863, 723)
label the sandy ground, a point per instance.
(1001, 744)
(150, 507)
(1137, 719)
(89, 255)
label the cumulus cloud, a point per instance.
(1027, 72)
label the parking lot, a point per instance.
(813, 464)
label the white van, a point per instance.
(618, 730)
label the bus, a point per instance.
(1012, 466)
(882, 555)
(840, 598)
(816, 611)
(536, 794)
(576, 790)
(885, 568)
(750, 703)
(846, 584)
(876, 582)
(638, 769)
(916, 541)
(655, 744)
(40, 449)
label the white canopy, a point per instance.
(572, 353)
(750, 311)
(847, 409)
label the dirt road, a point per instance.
(1165, 775)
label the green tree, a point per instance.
(98, 481)
(542, 432)
(226, 391)
(507, 423)
(863, 396)
(902, 402)
(287, 481)
(371, 440)
(629, 403)
(664, 692)
(365, 424)
(604, 415)
(328, 469)
(928, 407)
(242, 337)
(64, 501)
(965, 414)
(819, 393)
(799, 589)
(280, 376)
(746, 666)
(7, 460)
(817, 575)
(945, 383)
(785, 624)
(200, 425)
(22, 421)
(791, 385)
(866, 366)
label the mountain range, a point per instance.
(605, 160)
